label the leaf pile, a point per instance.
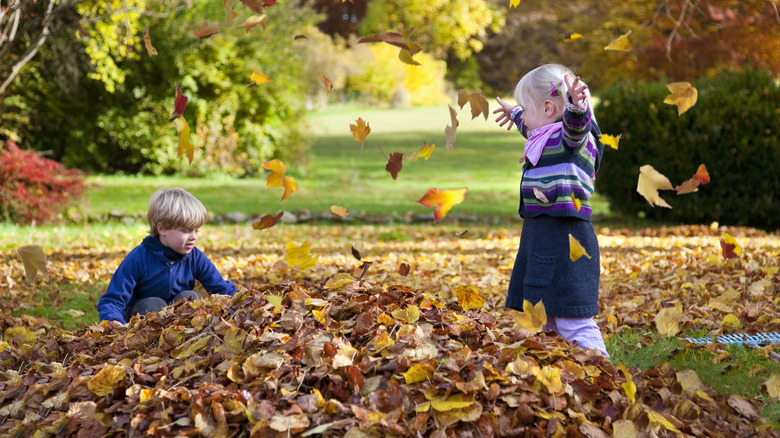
(343, 358)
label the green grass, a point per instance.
(70, 306)
(484, 159)
(741, 372)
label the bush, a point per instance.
(732, 129)
(33, 188)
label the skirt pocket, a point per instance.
(540, 271)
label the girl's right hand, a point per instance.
(504, 114)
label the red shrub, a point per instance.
(33, 188)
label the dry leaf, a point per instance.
(469, 297)
(230, 14)
(395, 163)
(278, 179)
(148, 42)
(573, 37)
(299, 256)
(668, 319)
(185, 145)
(451, 129)
(337, 211)
(533, 318)
(34, 261)
(620, 43)
(479, 105)
(576, 250)
(179, 103)
(730, 247)
(610, 140)
(252, 22)
(650, 181)
(443, 200)
(267, 221)
(328, 83)
(424, 152)
(683, 95)
(205, 31)
(692, 185)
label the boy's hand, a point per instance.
(577, 94)
(504, 114)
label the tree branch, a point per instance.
(32, 51)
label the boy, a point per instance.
(164, 267)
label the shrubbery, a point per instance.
(733, 129)
(33, 188)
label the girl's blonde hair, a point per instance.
(537, 86)
(175, 208)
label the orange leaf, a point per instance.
(148, 42)
(205, 31)
(450, 130)
(395, 163)
(692, 185)
(258, 79)
(327, 82)
(267, 221)
(443, 200)
(479, 105)
(254, 5)
(341, 212)
(702, 174)
(360, 130)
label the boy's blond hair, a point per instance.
(175, 208)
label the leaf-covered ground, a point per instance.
(389, 354)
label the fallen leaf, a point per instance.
(419, 373)
(254, 5)
(683, 95)
(628, 386)
(253, 21)
(267, 221)
(299, 256)
(772, 386)
(443, 200)
(185, 145)
(650, 181)
(479, 105)
(179, 103)
(444, 404)
(150, 50)
(573, 37)
(205, 31)
(610, 140)
(394, 164)
(576, 250)
(106, 380)
(620, 43)
(34, 261)
(668, 319)
(533, 317)
(451, 129)
(293, 423)
(469, 297)
(730, 247)
(337, 211)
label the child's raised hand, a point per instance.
(504, 112)
(577, 89)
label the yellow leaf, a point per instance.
(443, 200)
(689, 381)
(620, 43)
(451, 129)
(624, 429)
(233, 340)
(628, 386)
(657, 417)
(424, 152)
(360, 129)
(668, 319)
(572, 38)
(148, 42)
(683, 95)
(610, 140)
(299, 257)
(533, 317)
(278, 179)
(551, 379)
(34, 261)
(410, 315)
(258, 78)
(146, 395)
(337, 211)
(338, 281)
(385, 319)
(514, 3)
(381, 342)
(185, 146)
(319, 315)
(274, 300)
(577, 203)
(469, 298)
(576, 250)
(772, 386)
(418, 373)
(106, 380)
(730, 247)
(479, 105)
(230, 14)
(21, 334)
(731, 320)
(453, 402)
(650, 181)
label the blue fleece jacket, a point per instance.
(146, 272)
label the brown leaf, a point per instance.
(395, 163)
(267, 221)
(205, 31)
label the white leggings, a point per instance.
(583, 331)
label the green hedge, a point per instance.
(734, 129)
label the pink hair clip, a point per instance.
(555, 91)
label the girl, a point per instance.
(562, 154)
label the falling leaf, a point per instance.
(267, 221)
(34, 261)
(540, 195)
(341, 212)
(230, 14)
(258, 79)
(730, 247)
(406, 56)
(576, 250)
(299, 256)
(404, 268)
(692, 185)
(479, 105)
(610, 140)
(328, 83)
(443, 200)
(461, 233)
(650, 181)
(106, 380)
(185, 146)
(620, 44)
(358, 250)
(179, 103)
(278, 179)
(424, 152)
(360, 130)
(572, 38)
(772, 386)
(394, 164)
(533, 318)
(450, 130)
(577, 203)
(253, 5)
(254, 21)
(683, 95)
(148, 42)
(628, 386)
(668, 319)
(300, 37)
(469, 297)
(205, 31)
(400, 40)
(514, 3)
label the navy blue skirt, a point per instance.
(544, 271)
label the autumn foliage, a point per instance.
(33, 187)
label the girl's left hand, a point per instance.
(577, 89)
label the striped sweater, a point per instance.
(567, 167)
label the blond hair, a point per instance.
(537, 85)
(175, 208)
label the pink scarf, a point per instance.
(536, 142)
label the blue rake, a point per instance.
(757, 339)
